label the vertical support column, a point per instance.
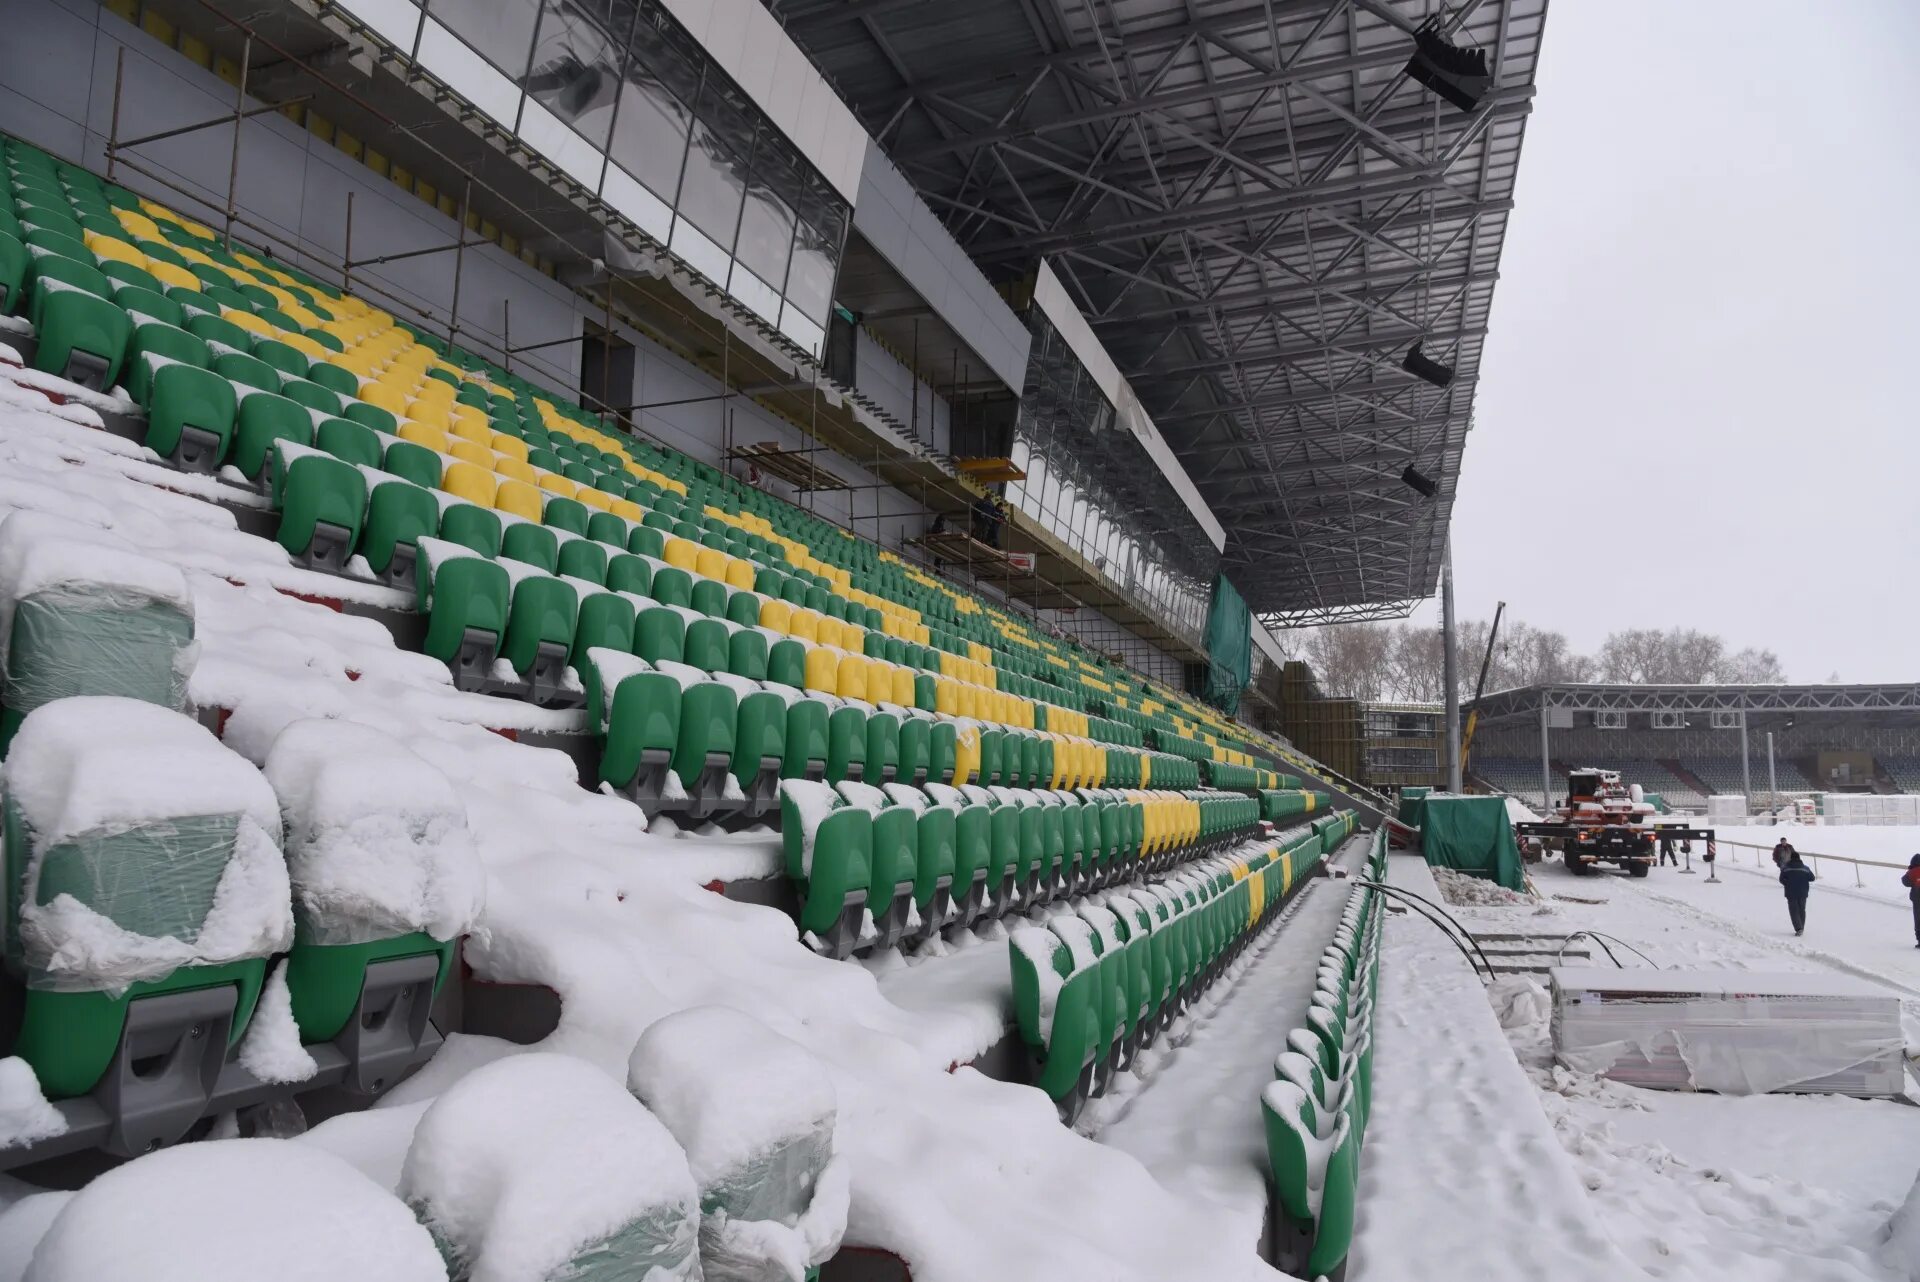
(1773, 783)
(1746, 769)
(1546, 759)
(1451, 671)
(346, 251)
(113, 122)
(239, 113)
(459, 261)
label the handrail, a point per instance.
(1815, 857)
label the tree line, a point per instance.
(1405, 663)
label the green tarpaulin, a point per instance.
(1229, 643)
(1410, 799)
(1471, 835)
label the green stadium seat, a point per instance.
(322, 503)
(531, 544)
(828, 845)
(399, 514)
(264, 418)
(190, 414)
(541, 616)
(158, 338)
(148, 1053)
(465, 598)
(82, 337)
(473, 527)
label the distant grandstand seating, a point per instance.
(1518, 778)
(1724, 775)
(1904, 771)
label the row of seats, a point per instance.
(881, 866)
(1316, 1109)
(1097, 985)
(231, 354)
(146, 1035)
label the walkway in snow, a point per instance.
(1196, 1123)
(1461, 1176)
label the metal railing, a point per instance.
(1762, 856)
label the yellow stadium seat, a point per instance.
(112, 247)
(633, 512)
(430, 412)
(805, 625)
(467, 430)
(472, 452)
(681, 553)
(850, 682)
(554, 483)
(710, 562)
(598, 499)
(384, 395)
(422, 434)
(946, 696)
(516, 469)
(172, 275)
(468, 482)
(776, 615)
(822, 670)
(518, 498)
(511, 446)
(138, 224)
(739, 571)
(306, 346)
(966, 756)
(249, 322)
(903, 686)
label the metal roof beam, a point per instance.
(1358, 345)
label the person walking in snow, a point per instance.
(1911, 880)
(1782, 851)
(1796, 879)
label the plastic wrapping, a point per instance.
(96, 640)
(104, 910)
(1736, 1032)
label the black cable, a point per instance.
(1601, 939)
(1444, 916)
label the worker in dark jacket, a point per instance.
(1911, 880)
(1796, 879)
(1782, 851)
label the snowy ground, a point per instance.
(1640, 1183)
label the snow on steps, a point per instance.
(1462, 1165)
(1195, 1124)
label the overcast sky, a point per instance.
(1697, 404)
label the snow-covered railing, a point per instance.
(1812, 857)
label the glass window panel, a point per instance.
(713, 187)
(705, 257)
(766, 224)
(574, 155)
(754, 292)
(468, 74)
(575, 72)
(501, 31)
(642, 208)
(801, 330)
(395, 21)
(650, 130)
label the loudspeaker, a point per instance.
(1458, 75)
(1422, 366)
(1419, 482)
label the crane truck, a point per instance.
(1603, 822)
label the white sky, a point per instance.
(1690, 408)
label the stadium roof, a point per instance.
(1260, 213)
(1529, 701)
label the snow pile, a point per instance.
(376, 839)
(41, 552)
(1477, 892)
(541, 1166)
(235, 1211)
(755, 1113)
(25, 1114)
(85, 771)
(22, 1225)
(1901, 1251)
(271, 1049)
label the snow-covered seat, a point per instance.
(755, 1113)
(145, 892)
(829, 853)
(81, 612)
(385, 881)
(540, 1167)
